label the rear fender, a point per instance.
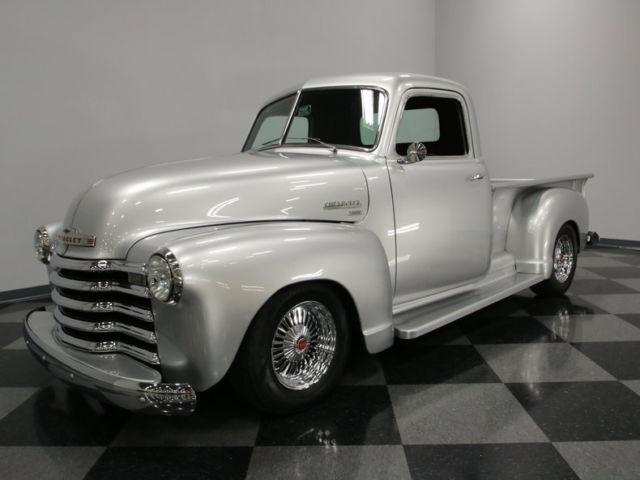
(535, 221)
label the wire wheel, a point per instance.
(563, 257)
(303, 345)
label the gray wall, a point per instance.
(89, 88)
(557, 91)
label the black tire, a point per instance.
(562, 274)
(254, 374)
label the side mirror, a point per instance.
(416, 152)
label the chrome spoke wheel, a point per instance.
(303, 345)
(563, 258)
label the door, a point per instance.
(442, 204)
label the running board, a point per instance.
(419, 321)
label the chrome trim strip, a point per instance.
(109, 346)
(58, 262)
(291, 116)
(100, 307)
(102, 286)
(105, 327)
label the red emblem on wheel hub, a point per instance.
(302, 344)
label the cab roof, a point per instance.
(391, 82)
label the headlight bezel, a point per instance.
(175, 276)
(43, 245)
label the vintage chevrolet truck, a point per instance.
(360, 206)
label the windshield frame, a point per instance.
(285, 132)
(295, 94)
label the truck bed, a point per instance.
(574, 182)
(505, 191)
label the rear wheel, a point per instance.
(294, 351)
(565, 259)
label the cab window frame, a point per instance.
(464, 117)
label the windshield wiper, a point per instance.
(333, 148)
(270, 141)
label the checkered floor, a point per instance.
(527, 388)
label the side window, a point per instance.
(436, 122)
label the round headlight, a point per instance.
(164, 277)
(42, 245)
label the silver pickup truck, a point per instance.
(360, 206)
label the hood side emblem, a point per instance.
(74, 237)
(339, 204)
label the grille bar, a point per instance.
(108, 346)
(100, 286)
(58, 263)
(107, 326)
(100, 306)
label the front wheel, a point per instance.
(565, 259)
(294, 351)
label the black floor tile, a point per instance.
(171, 463)
(564, 305)
(450, 334)
(632, 318)
(581, 411)
(59, 416)
(9, 332)
(220, 419)
(522, 461)
(18, 368)
(620, 359)
(598, 287)
(411, 363)
(616, 272)
(358, 415)
(506, 330)
(510, 306)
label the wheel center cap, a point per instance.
(302, 344)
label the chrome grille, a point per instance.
(100, 309)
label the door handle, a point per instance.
(475, 177)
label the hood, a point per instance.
(246, 187)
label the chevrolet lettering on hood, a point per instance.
(69, 237)
(342, 204)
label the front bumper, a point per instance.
(114, 378)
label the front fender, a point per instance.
(535, 221)
(230, 272)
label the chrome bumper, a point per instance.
(114, 378)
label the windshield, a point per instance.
(341, 117)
